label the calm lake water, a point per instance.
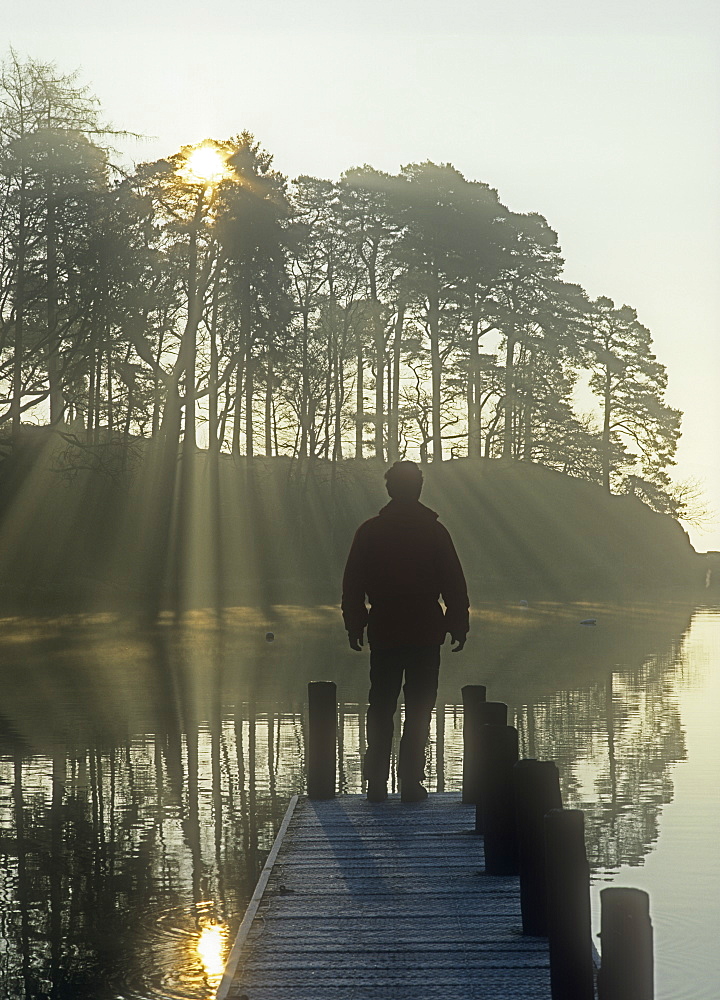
(143, 776)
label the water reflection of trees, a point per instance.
(114, 856)
(118, 846)
(614, 743)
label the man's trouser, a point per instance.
(420, 666)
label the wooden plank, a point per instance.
(253, 905)
(386, 901)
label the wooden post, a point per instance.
(569, 929)
(321, 739)
(537, 791)
(499, 748)
(480, 713)
(472, 696)
(626, 935)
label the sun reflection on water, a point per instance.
(210, 948)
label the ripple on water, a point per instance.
(679, 952)
(185, 954)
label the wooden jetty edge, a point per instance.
(360, 901)
(233, 960)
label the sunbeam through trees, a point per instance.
(206, 303)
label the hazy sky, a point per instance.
(604, 116)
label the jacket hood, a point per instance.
(408, 510)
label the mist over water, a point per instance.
(143, 776)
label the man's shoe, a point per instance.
(412, 791)
(376, 791)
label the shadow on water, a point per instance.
(143, 773)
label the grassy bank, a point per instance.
(279, 531)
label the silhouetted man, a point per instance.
(404, 560)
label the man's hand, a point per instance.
(356, 640)
(459, 640)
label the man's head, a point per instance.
(404, 481)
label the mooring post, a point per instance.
(472, 696)
(568, 900)
(499, 750)
(482, 713)
(321, 739)
(626, 936)
(537, 791)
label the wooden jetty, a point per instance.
(383, 901)
(362, 901)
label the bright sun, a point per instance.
(206, 164)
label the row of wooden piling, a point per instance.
(527, 833)
(519, 811)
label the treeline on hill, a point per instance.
(205, 294)
(277, 531)
(205, 299)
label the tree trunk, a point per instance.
(249, 397)
(473, 422)
(213, 440)
(528, 430)
(329, 368)
(606, 443)
(359, 404)
(507, 449)
(276, 443)
(214, 445)
(490, 434)
(237, 409)
(269, 385)
(379, 342)
(312, 430)
(157, 400)
(98, 361)
(244, 352)
(379, 338)
(436, 372)
(478, 413)
(388, 397)
(424, 451)
(394, 402)
(188, 346)
(305, 388)
(339, 399)
(91, 406)
(110, 399)
(18, 347)
(57, 403)
(528, 410)
(128, 421)
(160, 552)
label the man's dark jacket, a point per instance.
(404, 560)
